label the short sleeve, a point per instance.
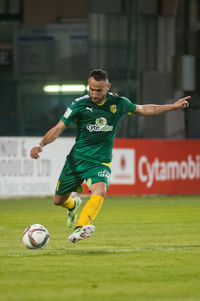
(70, 114)
(128, 106)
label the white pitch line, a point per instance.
(123, 250)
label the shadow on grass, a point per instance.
(100, 252)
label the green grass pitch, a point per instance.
(145, 248)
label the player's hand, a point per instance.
(182, 103)
(34, 153)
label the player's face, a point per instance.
(98, 89)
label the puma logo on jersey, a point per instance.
(91, 109)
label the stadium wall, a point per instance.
(140, 166)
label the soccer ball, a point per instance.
(35, 236)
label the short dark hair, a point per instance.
(99, 74)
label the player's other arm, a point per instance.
(49, 137)
(152, 109)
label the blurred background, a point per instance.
(150, 49)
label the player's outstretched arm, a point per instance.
(152, 109)
(49, 137)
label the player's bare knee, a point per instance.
(57, 200)
(103, 193)
(99, 189)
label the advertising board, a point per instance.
(140, 166)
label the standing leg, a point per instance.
(91, 209)
(83, 228)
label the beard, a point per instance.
(98, 99)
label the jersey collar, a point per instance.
(101, 104)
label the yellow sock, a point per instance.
(90, 210)
(69, 203)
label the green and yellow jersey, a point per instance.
(96, 125)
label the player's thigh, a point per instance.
(69, 179)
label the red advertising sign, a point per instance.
(148, 166)
(158, 167)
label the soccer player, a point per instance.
(96, 116)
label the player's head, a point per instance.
(98, 85)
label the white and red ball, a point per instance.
(35, 236)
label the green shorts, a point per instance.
(75, 171)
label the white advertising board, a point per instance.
(21, 175)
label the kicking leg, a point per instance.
(63, 200)
(71, 202)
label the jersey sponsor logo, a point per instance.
(113, 109)
(100, 125)
(67, 113)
